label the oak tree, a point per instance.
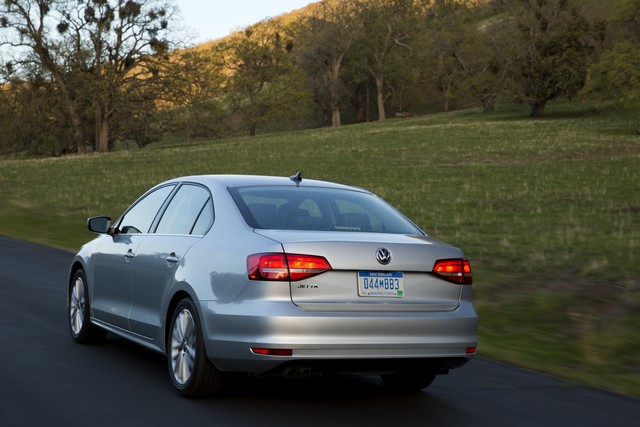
(91, 49)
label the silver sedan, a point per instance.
(269, 275)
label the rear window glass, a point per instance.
(318, 209)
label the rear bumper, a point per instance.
(336, 342)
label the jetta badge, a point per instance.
(383, 256)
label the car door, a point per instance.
(185, 220)
(113, 260)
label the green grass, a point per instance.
(548, 212)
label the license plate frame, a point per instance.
(381, 284)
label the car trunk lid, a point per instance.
(363, 279)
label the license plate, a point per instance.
(380, 284)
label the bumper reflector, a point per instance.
(272, 351)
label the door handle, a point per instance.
(129, 255)
(172, 259)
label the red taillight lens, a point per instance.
(285, 267)
(454, 270)
(267, 267)
(303, 266)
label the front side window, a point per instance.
(140, 217)
(318, 209)
(189, 212)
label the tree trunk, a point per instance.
(334, 104)
(102, 130)
(488, 107)
(488, 104)
(334, 92)
(360, 100)
(368, 116)
(537, 108)
(382, 115)
(335, 116)
(78, 132)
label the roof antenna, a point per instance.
(297, 178)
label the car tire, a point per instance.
(408, 381)
(78, 302)
(190, 370)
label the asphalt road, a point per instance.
(48, 380)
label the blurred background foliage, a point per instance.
(83, 76)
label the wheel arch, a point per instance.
(175, 299)
(77, 265)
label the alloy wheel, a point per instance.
(77, 302)
(183, 346)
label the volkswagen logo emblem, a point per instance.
(383, 256)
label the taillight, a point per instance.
(267, 267)
(284, 267)
(454, 270)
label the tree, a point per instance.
(258, 61)
(141, 115)
(475, 53)
(627, 21)
(31, 118)
(191, 93)
(324, 39)
(617, 75)
(448, 30)
(556, 48)
(383, 42)
(91, 49)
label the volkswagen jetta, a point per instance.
(269, 275)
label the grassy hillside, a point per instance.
(548, 212)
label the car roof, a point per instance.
(250, 180)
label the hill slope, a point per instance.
(547, 211)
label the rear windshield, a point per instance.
(318, 209)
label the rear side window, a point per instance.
(205, 220)
(189, 212)
(318, 209)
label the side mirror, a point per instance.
(99, 224)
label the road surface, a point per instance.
(48, 380)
